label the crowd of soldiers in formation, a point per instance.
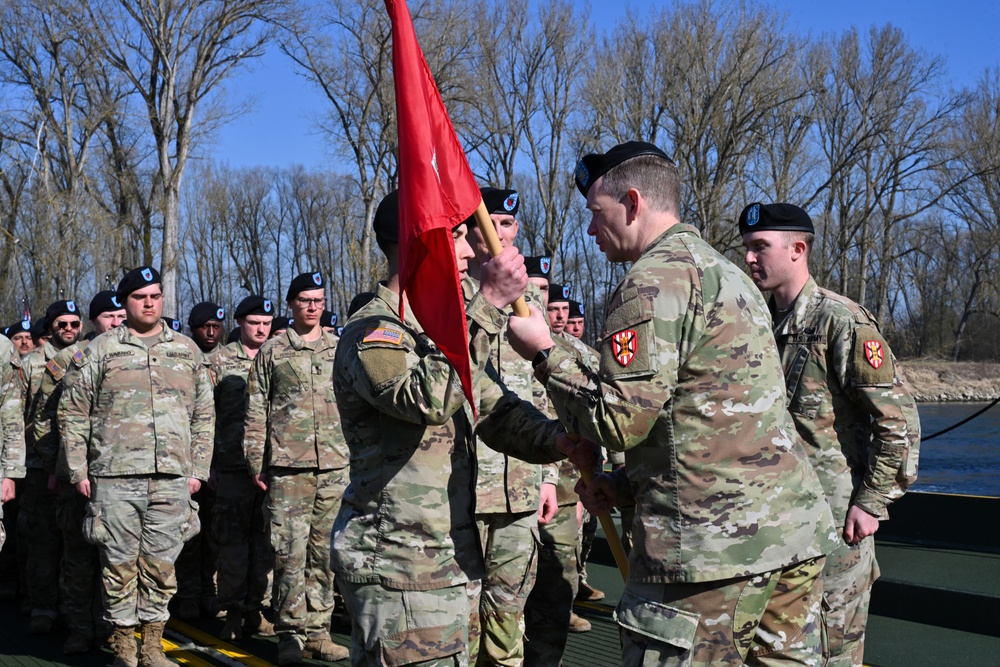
(303, 468)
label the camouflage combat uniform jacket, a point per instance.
(690, 386)
(44, 369)
(230, 367)
(850, 403)
(292, 419)
(142, 411)
(11, 412)
(407, 518)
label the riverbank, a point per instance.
(947, 382)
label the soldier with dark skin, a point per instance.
(850, 403)
(136, 419)
(38, 530)
(295, 451)
(246, 557)
(405, 545)
(731, 519)
(206, 320)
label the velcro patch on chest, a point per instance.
(383, 335)
(55, 370)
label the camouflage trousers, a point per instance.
(768, 620)
(39, 536)
(80, 571)
(246, 558)
(139, 525)
(195, 567)
(550, 603)
(300, 509)
(391, 628)
(510, 542)
(588, 532)
(847, 585)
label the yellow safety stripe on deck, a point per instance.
(183, 657)
(225, 648)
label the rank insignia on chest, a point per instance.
(623, 346)
(873, 353)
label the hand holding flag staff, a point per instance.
(437, 192)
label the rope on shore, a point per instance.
(964, 421)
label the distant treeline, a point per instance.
(105, 105)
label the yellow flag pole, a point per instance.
(521, 310)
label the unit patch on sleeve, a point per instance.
(623, 346)
(871, 360)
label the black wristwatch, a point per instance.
(541, 357)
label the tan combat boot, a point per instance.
(254, 623)
(151, 654)
(123, 644)
(321, 647)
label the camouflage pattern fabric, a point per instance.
(407, 517)
(80, 568)
(43, 368)
(858, 420)
(300, 508)
(139, 525)
(428, 628)
(770, 619)
(195, 568)
(690, 387)
(39, 536)
(246, 558)
(407, 521)
(230, 368)
(291, 417)
(132, 410)
(11, 413)
(550, 603)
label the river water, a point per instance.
(966, 460)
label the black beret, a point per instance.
(591, 167)
(37, 328)
(538, 267)
(328, 319)
(759, 217)
(233, 336)
(279, 323)
(254, 305)
(303, 282)
(138, 278)
(24, 326)
(359, 301)
(504, 202)
(104, 302)
(386, 221)
(60, 308)
(206, 311)
(172, 323)
(575, 309)
(558, 293)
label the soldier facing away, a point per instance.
(690, 387)
(850, 404)
(137, 421)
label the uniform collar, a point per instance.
(677, 228)
(324, 341)
(391, 300)
(803, 302)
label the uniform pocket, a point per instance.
(94, 530)
(422, 645)
(656, 620)
(192, 522)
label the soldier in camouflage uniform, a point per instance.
(507, 489)
(731, 521)
(245, 554)
(405, 545)
(296, 452)
(80, 567)
(136, 419)
(838, 369)
(11, 425)
(37, 526)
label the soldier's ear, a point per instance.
(634, 203)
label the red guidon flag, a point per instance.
(437, 191)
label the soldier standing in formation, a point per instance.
(136, 422)
(850, 404)
(19, 334)
(296, 452)
(682, 318)
(11, 426)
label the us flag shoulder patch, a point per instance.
(382, 335)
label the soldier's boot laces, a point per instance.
(254, 623)
(233, 628)
(152, 649)
(321, 647)
(123, 644)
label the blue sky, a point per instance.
(279, 131)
